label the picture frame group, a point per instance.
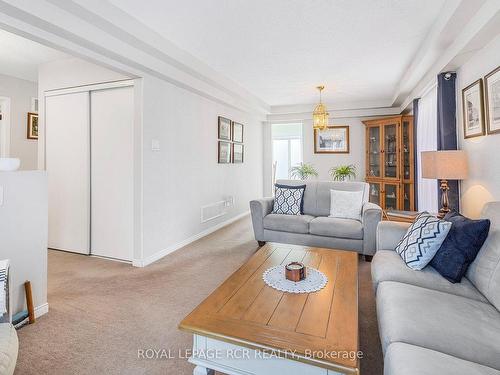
(481, 106)
(231, 147)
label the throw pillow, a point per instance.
(460, 247)
(346, 204)
(422, 240)
(288, 200)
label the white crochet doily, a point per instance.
(314, 281)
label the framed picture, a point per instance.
(332, 140)
(224, 128)
(237, 153)
(224, 156)
(492, 99)
(237, 132)
(32, 125)
(472, 104)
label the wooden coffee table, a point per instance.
(246, 327)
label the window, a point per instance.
(287, 148)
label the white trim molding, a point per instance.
(160, 254)
(41, 310)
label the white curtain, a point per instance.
(427, 141)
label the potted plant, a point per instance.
(303, 171)
(343, 172)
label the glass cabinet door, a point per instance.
(391, 151)
(375, 192)
(390, 193)
(407, 197)
(374, 160)
(407, 150)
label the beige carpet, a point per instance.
(103, 312)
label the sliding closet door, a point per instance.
(112, 167)
(68, 169)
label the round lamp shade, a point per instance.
(444, 165)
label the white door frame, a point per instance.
(138, 149)
(5, 127)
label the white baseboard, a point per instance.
(41, 310)
(160, 254)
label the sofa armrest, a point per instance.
(370, 217)
(259, 209)
(389, 233)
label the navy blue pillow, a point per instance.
(460, 247)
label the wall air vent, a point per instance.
(213, 211)
(217, 209)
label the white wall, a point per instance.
(23, 234)
(184, 175)
(322, 162)
(483, 184)
(20, 93)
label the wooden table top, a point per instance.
(245, 311)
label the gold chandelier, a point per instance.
(320, 114)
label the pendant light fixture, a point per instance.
(320, 114)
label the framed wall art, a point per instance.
(224, 152)
(224, 129)
(332, 140)
(32, 126)
(238, 150)
(237, 132)
(492, 99)
(473, 114)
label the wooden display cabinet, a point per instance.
(390, 162)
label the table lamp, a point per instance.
(444, 165)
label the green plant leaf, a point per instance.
(303, 171)
(343, 172)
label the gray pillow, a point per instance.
(422, 240)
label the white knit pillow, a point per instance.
(346, 204)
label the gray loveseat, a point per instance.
(315, 228)
(427, 324)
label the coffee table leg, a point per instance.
(199, 370)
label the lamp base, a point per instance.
(442, 212)
(445, 208)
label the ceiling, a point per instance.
(20, 57)
(280, 50)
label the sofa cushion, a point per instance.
(335, 227)
(405, 359)
(460, 247)
(444, 322)
(484, 272)
(387, 265)
(9, 347)
(422, 240)
(288, 223)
